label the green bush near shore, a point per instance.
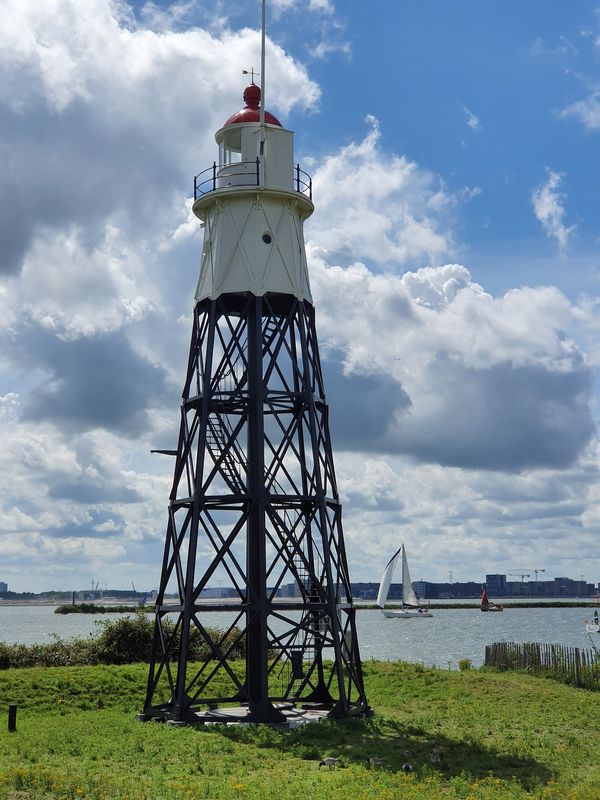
(122, 641)
(471, 735)
(92, 608)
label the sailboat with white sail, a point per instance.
(593, 627)
(410, 604)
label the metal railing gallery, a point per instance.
(248, 174)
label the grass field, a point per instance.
(473, 735)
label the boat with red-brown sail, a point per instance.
(487, 604)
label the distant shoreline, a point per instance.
(360, 605)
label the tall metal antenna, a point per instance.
(262, 92)
(262, 62)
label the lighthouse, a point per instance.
(254, 511)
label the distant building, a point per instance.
(290, 590)
(567, 587)
(3, 587)
(421, 589)
(496, 584)
(365, 591)
(218, 592)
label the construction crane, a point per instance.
(537, 571)
(521, 575)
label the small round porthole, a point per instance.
(267, 238)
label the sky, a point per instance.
(453, 256)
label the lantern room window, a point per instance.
(231, 147)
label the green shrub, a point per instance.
(122, 641)
(57, 653)
(464, 664)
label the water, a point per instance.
(37, 624)
(442, 640)
(463, 633)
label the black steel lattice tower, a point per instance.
(254, 496)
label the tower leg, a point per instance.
(257, 646)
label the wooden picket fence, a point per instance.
(567, 664)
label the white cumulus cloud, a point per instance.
(446, 373)
(586, 111)
(473, 120)
(322, 6)
(380, 206)
(549, 209)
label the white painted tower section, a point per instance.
(253, 211)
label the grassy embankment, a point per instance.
(503, 736)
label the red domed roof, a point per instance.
(251, 112)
